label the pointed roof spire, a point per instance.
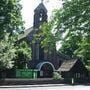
(41, 6)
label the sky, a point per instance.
(30, 5)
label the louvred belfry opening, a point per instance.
(40, 15)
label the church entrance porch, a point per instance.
(46, 69)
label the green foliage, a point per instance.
(14, 55)
(75, 20)
(7, 52)
(25, 50)
(45, 37)
(71, 26)
(10, 17)
(84, 50)
(11, 25)
(70, 45)
(88, 68)
(23, 55)
(56, 76)
(49, 40)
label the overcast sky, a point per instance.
(30, 5)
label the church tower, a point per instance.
(40, 15)
(45, 62)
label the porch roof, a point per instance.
(67, 65)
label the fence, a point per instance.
(19, 73)
(26, 73)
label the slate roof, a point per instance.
(25, 34)
(67, 65)
(29, 31)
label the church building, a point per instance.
(45, 63)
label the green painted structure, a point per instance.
(26, 73)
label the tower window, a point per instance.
(40, 17)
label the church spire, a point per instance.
(40, 15)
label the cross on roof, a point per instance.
(42, 1)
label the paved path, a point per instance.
(46, 87)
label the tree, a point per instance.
(71, 26)
(23, 55)
(11, 26)
(84, 50)
(75, 20)
(10, 17)
(46, 38)
(7, 52)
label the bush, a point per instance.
(56, 76)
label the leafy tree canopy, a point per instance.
(23, 55)
(11, 25)
(71, 26)
(10, 17)
(7, 52)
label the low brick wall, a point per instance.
(29, 81)
(18, 81)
